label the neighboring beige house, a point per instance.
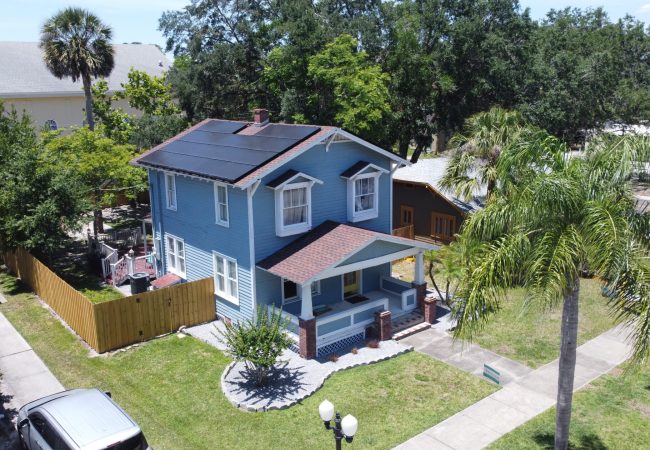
(27, 84)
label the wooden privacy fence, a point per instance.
(120, 322)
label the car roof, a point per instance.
(90, 418)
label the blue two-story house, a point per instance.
(295, 216)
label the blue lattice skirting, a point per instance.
(342, 345)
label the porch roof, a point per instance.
(323, 249)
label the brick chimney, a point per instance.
(260, 117)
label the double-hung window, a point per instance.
(363, 190)
(176, 256)
(221, 203)
(290, 290)
(170, 190)
(225, 278)
(365, 194)
(293, 209)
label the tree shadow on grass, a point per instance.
(11, 285)
(587, 442)
(285, 384)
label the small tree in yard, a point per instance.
(448, 266)
(258, 343)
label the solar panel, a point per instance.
(223, 126)
(280, 130)
(213, 150)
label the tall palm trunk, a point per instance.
(89, 101)
(567, 365)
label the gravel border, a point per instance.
(242, 394)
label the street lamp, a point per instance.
(343, 428)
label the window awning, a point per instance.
(334, 248)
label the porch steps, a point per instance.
(410, 331)
(408, 324)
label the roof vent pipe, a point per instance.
(260, 117)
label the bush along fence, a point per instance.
(120, 322)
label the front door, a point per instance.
(351, 283)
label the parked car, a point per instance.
(79, 419)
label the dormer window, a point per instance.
(363, 191)
(293, 202)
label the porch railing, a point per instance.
(405, 232)
(335, 327)
(405, 290)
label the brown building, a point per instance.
(422, 209)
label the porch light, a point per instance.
(345, 428)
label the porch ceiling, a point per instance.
(321, 252)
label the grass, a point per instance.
(533, 336)
(89, 285)
(171, 387)
(613, 412)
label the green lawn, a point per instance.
(89, 286)
(171, 388)
(533, 336)
(611, 413)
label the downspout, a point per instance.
(250, 192)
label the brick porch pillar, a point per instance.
(420, 293)
(429, 309)
(307, 338)
(384, 325)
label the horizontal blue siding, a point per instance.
(329, 200)
(371, 276)
(193, 221)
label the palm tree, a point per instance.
(563, 217)
(76, 44)
(476, 151)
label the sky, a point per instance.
(137, 20)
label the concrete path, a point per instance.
(24, 376)
(470, 358)
(519, 401)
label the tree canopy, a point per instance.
(424, 65)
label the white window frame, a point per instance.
(315, 290)
(287, 230)
(174, 268)
(217, 204)
(358, 216)
(170, 200)
(226, 294)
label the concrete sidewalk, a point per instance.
(470, 358)
(522, 399)
(24, 376)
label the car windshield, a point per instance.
(137, 442)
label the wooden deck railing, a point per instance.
(405, 232)
(120, 322)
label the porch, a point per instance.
(335, 286)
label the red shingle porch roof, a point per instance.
(323, 247)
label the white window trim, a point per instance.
(174, 251)
(314, 292)
(225, 294)
(360, 292)
(373, 213)
(218, 221)
(170, 205)
(289, 230)
(317, 291)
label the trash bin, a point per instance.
(139, 282)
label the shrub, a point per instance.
(373, 343)
(333, 357)
(355, 350)
(257, 343)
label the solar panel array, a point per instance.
(214, 149)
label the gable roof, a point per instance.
(239, 152)
(429, 171)
(324, 247)
(360, 167)
(24, 74)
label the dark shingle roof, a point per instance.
(215, 148)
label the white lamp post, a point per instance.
(345, 428)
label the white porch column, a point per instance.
(419, 268)
(306, 310)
